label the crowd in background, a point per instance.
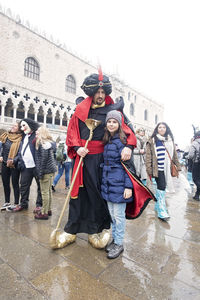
(28, 151)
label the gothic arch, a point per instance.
(9, 108)
(40, 116)
(20, 111)
(57, 118)
(31, 112)
(49, 116)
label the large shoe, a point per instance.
(61, 239)
(6, 205)
(109, 245)
(115, 251)
(19, 208)
(53, 188)
(99, 240)
(161, 206)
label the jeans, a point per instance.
(61, 167)
(117, 212)
(45, 186)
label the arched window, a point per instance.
(31, 68)
(131, 109)
(129, 95)
(156, 119)
(70, 85)
(145, 115)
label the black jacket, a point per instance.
(44, 159)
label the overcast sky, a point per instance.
(151, 44)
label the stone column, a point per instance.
(14, 113)
(2, 112)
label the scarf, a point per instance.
(15, 138)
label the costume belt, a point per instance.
(94, 147)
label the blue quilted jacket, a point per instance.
(114, 179)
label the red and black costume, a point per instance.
(88, 212)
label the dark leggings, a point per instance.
(6, 173)
(196, 175)
(160, 180)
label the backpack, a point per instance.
(60, 152)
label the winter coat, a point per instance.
(114, 179)
(194, 152)
(151, 158)
(44, 159)
(139, 159)
(152, 164)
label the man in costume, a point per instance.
(88, 212)
(25, 161)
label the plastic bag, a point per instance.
(185, 183)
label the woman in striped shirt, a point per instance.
(158, 165)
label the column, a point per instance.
(14, 113)
(2, 112)
(45, 118)
(35, 117)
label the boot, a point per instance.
(61, 239)
(189, 178)
(161, 206)
(196, 196)
(99, 240)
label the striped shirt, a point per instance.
(160, 149)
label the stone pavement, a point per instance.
(161, 261)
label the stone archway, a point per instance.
(20, 111)
(57, 118)
(49, 116)
(9, 108)
(40, 115)
(65, 119)
(31, 112)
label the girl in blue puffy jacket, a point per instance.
(116, 187)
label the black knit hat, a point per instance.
(92, 83)
(31, 123)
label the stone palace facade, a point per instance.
(41, 79)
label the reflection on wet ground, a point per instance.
(160, 261)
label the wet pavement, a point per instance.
(160, 261)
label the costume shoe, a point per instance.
(61, 239)
(99, 240)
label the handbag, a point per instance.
(173, 167)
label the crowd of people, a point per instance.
(111, 185)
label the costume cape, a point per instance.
(141, 194)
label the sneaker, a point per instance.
(49, 213)
(115, 251)
(6, 204)
(37, 210)
(110, 245)
(19, 208)
(53, 188)
(11, 207)
(41, 216)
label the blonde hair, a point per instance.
(140, 129)
(43, 136)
